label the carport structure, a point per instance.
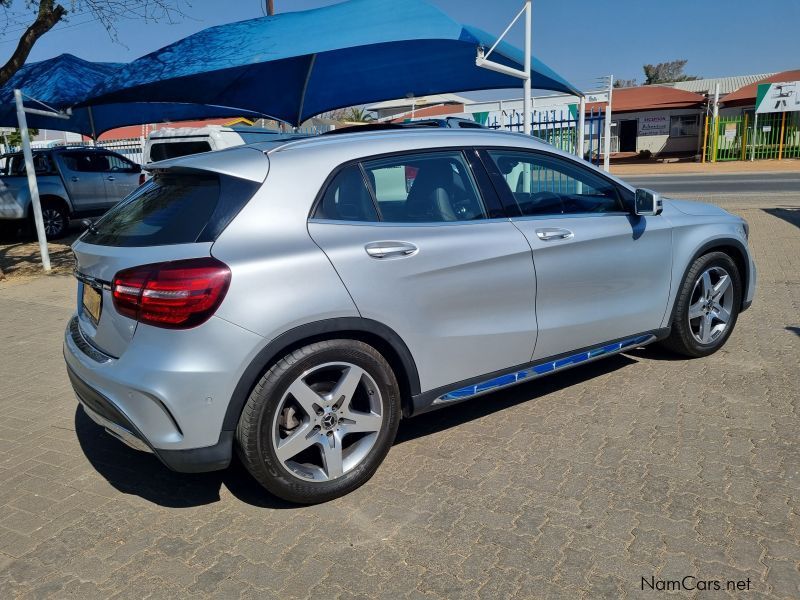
(296, 65)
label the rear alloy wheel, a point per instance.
(320, 421)
(55, 219)
(707, 306)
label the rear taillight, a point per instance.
(142, 178)
(176, 295)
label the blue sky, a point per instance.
(581, 40)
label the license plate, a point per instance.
(92, 302)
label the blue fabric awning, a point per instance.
(297, 65)
(62, 81)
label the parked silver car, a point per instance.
(295, 300)
(73, 183)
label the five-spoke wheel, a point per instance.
(320, 421)
(707, 306)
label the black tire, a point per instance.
(254, 433)
(681, 339)
(56, 219)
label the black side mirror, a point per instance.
(647, 203)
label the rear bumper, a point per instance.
(105, 413)
(167, 393)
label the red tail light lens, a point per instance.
(176, 295)
(142, 178)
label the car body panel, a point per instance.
(439, 298)
(610, 279)
(468, 305)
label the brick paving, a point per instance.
(576, 486)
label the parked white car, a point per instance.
(181, 141)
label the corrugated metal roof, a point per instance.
(726, 84)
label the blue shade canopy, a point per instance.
(297, 65)
(62, 81)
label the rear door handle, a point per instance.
(110, 178)
(390, 249)
(74, 178)
(554, 233)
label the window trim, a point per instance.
(491, 201)
(506, 195)
(687, 135)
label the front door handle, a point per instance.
(110, 178)
(74, 178)
(554, 233)
(390, 249)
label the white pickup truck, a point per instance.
(73, 183)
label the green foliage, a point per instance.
(15, 138)
(666, 72)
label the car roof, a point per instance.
(424, 137)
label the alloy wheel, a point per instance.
(327, 421)
(711, 305)
(53, 222)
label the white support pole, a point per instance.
(581, 126)
(32, 184)
(607, 128)
(526, 86)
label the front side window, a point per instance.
(550, 185)
(429, 187)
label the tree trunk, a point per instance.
(49, 14)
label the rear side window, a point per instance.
(432, 187)
(173, 209)
(166, 150)
(347, 198)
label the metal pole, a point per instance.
(581, 126)
(32, 184)
(527, 82)
(91, 124)
(607, 128)
(715, 128)
(755, 137)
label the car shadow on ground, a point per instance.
(794, 330)
(788, 214)
(142, 474)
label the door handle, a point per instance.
(109, 178)
(74, 178)
(554, 233)
(390, 249)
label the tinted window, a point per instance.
(117, 164)
(545, 185)
(165, 150)
(85, 162)
(15, 165)
(173, 209)
(432, 187)
(347, 198)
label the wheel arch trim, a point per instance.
(716, 244)
(316, 331)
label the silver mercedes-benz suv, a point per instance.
(292, 301)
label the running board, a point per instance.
(543, 368)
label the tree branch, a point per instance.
(49, 14)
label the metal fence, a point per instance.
(743, 137)
(558, 128)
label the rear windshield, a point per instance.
(165, 150)
(173, 209)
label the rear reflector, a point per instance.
(176, 295)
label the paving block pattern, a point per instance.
(573, 486)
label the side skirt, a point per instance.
(492, 382)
